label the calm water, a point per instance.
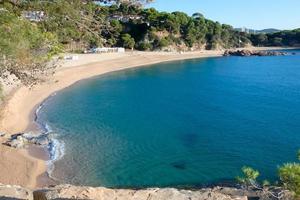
(184, 123)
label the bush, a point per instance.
(163, 43)
(128, 41)
(144, 46)
(249, 176)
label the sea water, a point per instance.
(182, 124)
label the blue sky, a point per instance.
(257, 14)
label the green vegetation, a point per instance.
(283, 38)
(127, 41)
(289, 176)
(249, 176)
(24, 48)
(76, 25)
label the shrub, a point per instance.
(249, 176)
(128, 41)
(289, 175)
(144, 46)
(163, 43)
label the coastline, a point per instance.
(20, 167)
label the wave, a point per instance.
(56, 148)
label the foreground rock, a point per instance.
(21, 140)
(15, 193)
(253, 53)
(73, 192)
(69, 192)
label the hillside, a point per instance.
(32, 32)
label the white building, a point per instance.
(34, 16)
(107, 50)
(125, 18)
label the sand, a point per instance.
(18, 167)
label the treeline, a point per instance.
(75, 25)
(283, 38)
(88, 24)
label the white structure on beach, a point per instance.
(71, 57)
(34, 16)
(107, 50)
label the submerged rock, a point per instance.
(253, 53)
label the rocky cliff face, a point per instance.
(68, 192)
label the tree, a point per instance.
(249, 176)
(24, 48)
(128, 41)
(289, 175)
(197, 15)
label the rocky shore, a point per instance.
(70, 192)
(22, 140)
(245, 52)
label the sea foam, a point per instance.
(55, 147)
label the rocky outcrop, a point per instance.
(70, 192)
(73, 192)
(253, 53)
(21, 140)
(10, 192)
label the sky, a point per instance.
(256, 14)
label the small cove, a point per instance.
(183, 123)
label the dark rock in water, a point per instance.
(253, 53)
(21, 140)
(179, 165)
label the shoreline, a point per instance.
(19, 111)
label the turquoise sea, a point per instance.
(182, 124)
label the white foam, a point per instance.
(56, 148)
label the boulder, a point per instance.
(21, 140)
(17, 141)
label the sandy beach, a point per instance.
(19, 167)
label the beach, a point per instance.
(28, 169)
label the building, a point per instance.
(34, 16)
(125, 18)
(106, 50)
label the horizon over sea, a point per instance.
(176, 124)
